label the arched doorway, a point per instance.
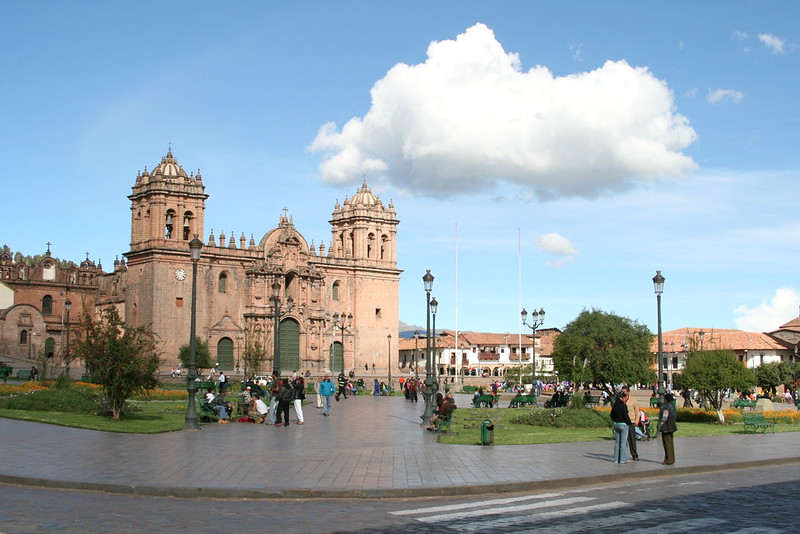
(337, 357)
(225, 353)
(289, 345)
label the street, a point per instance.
(762, 500)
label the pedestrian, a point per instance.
(223, 382)
(299, 396)
(633, 415)
(622, 421)
(412, 390)
(667, 426)
(376, 388)
(273, 386)
(326, 390)
(687, 398)
(341, 383)
(285, 400)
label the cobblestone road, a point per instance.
(762, 500)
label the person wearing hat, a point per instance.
(667, 426)
(247, 400)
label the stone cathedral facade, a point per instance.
(337, 303)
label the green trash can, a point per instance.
(487, 433)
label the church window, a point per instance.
(378, 313)
(384, 244)
(370, 245)
(168, 225)
(223, 283)
(47, 305)
(23, 337)
(335, 291)
(49, 347)
(179, 302)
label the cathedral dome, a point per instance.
(364, 197)
(169, 168)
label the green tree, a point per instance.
(124, 360)
(769, 376)
(604, 349)
(712, 372)
(254, 349)
(202, 356)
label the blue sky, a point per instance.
(570, 149)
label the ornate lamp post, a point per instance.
(191, 379)
(278, 312)
(68, 307)
(537, 318)
(389, 363)
(431, 386)
(658, 284)
(342, 322)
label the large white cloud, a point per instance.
(469, 117)
(768, 316)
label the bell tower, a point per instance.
(167, 207)
(364, 229)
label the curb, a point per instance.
(442, 491)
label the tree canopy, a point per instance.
(202, 355)
(122, 359)
(604, 349)
(713, 372)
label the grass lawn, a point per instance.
(155, 417)
(467, 429)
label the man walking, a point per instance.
(633, 413)
(326, 391)
(341, 383)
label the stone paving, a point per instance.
(368, 447)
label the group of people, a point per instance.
(282, 394)
(630, 426)
(411, 388)
(445, 405)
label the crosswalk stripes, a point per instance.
(564, 513)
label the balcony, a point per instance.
(488, 356)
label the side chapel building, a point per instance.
(337, 306)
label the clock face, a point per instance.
(180, 274)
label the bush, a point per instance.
(77, 400)
(565, 418)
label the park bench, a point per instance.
(469, 389)
(6, 372)
(442, 424)
(654, 402)
(207, 414)
(741, 403)
(522, 400)
(486, 401)
(558, 401)
(24, 374)
(592, 400)
(755, 421)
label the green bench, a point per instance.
(207, 414)
(741, 403)
(24, 375)
(469, 389)
(592, 400)
(522, 400)
(442, 424)
(486, 401)
(756, 421)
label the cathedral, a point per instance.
(327, 308)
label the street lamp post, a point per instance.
(342, 322)
(277, 314)
(431, 385)
(537, 318)
(191, 379)
(68, 307)
(435, 355)
(658, 284)
(389, 363)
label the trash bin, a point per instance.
(487, 433)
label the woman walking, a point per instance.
(621, 419)
(666, 423)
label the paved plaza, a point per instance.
(368, 447)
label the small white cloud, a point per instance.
(774, 43)
(720, 96)
(740, 35)
(577, 51)
(768, 316)
(691, 93)
(557, 245)
(469, 119)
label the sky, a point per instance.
(541, 154)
